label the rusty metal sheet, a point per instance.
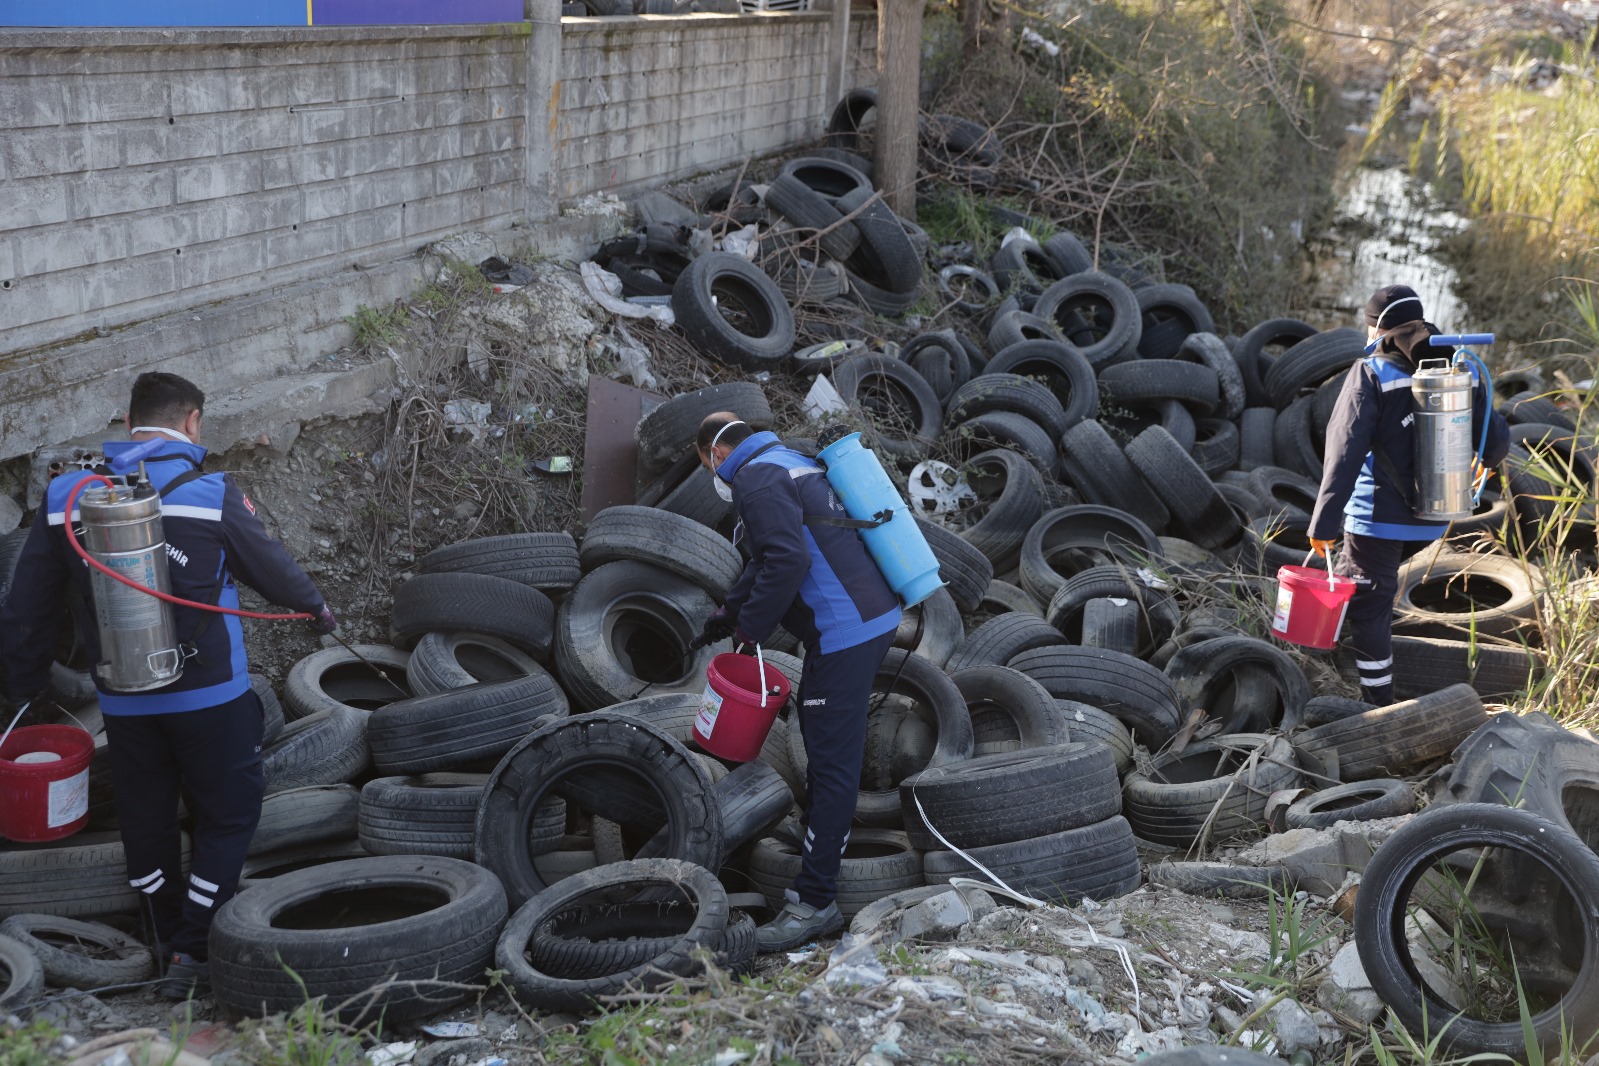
(610, 455)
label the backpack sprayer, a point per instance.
(127, 557)
(1447, 486)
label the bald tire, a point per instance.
(963, 566)
(1102, 473)
(435, 814)
(81, 877)
(477, 603)
(261, 965)
(77, 954)
(327, 748)
(1425, 664)
(1393, 740)
(545, 561)
(1001, 638)
(1090, 724)
(1098, 861)
(24, 977)
(1185, 489)
(1002, 527)
(1228, 805)
(1132, 690)
(1359, 801)
(667, 433)
(1011, 796)
(527, 934)
(300, 816)
(670, 541)
(876, 863)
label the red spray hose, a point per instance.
(72, 507)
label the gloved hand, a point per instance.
(324, 622)
(1322, 547)
(718, 626)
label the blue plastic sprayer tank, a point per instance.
(897, 546)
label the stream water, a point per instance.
(1385, 230)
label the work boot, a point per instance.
(796, 924)
(186, 978)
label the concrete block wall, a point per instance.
(646, 99)
(214, 202)
(167, 169)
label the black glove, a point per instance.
(718, 627)
(324, 622)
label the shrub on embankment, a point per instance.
(1195, 132)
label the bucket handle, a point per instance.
(20, 712)
(760, 662)
(1332, 581)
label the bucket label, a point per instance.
(710, 707)
(68, 800)
(1285, 607)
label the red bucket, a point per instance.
(734, 719)
(44, 798)
(1310, 606)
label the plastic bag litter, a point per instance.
(606, 288)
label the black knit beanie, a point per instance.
(1393, 305)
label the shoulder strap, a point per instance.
(1406, 491)
(181, 480)
(880, 518)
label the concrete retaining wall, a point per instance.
(642, 98)
(148, 178)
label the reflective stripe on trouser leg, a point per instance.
(222, 770)
(1373, 562)
(835, 692)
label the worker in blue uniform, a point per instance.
(203, 731)
(809, 571)
(1368, 480)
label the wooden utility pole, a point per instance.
(899, 78)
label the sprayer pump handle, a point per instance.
(126, 461)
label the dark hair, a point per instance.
(163, 400)
(738, 431)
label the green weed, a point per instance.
(378, 327)
(29, 1045)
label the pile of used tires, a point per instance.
(513, 782)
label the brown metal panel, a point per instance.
(610, 455)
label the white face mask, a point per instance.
(723, 489)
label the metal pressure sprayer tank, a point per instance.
(1442, 394)
(138, 640)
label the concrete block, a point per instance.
(403, 116)
(31, 153)
(204, 92)
(31, 102)
(375, 79)
(300, 166)
(454, 175)
(431, 145)
(33, 202)
(334, 124)
(128, 280)
(1346, 989)
(269, 414)
(373, 231)
(352, 195)
(158, 141)
(315, 239)
(438, 215)
(207, 264)
(218, 179)
(113, 192)
(92, 98)
(44, 250)
(40, 299)
(257, 131)
(371, 154)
